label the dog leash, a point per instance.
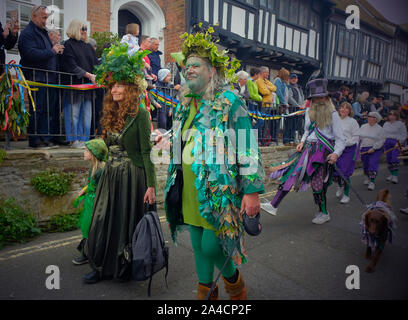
(349, 184)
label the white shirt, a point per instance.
(372, 136)
(350, 130)
(334, 131)
(396, 130)
(132, 42)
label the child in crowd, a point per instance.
(96, 152)
(131, 38)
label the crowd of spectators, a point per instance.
(75, 114)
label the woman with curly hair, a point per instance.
(128, 180)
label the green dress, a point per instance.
(119, 204)
(84, 222)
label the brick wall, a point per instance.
(174, 12)
(99, 15)
(175, 15)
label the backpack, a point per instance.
(149, 253)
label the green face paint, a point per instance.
(197, 74)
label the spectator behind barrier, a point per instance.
(267, 89)
(8, 39)
(37, 51)
(241, 85)
(154, 56)
(80, 59)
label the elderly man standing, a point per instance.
(241, 85)
(37, 51)
(322, 144)
(154, 56)
(266, 90)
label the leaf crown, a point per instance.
(204, 45)
(118, 66)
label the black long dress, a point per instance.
(118, 207)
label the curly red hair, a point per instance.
(114, 115)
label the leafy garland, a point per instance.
(203, 44)
(118, 66)
(13, 116)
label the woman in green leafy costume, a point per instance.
(96, 152)
(221, 166)
(128, 180)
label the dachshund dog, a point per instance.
(377, 228)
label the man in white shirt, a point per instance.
(316, 153)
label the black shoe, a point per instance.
(37, 145)
(80, 260)
(91, 278)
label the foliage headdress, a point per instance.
(118, 66)
(204, 45)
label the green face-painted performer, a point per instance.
(220, 166)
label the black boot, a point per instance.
(92, 277)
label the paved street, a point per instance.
(291, 259)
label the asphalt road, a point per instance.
(291, 259)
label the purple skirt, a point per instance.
(347, 161)
(371, 161)
(392, 156)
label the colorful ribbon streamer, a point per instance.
(163, 98)
(262, 116)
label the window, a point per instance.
(262, 3)
(284, 9)
(294, 11)
(56, 19)
(21, 12)
(400, 55)
(352, 44)
(376, 50)
(314, 20)
(271, 4)
(303, 14)
(340, 42)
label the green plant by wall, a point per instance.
(103, 37)
(52, 183)
(17, 224)
(2, 155)
(63, 222)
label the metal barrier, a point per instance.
(290, 129)
(64, 115)
(61, 115)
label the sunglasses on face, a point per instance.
(38, 8)
(84, 29)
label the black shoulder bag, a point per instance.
(174, 195)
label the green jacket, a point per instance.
(136, 141)
(253, 91)
(221, 183)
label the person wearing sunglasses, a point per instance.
(79, 58)
(38, 52)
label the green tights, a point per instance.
(207, 253)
